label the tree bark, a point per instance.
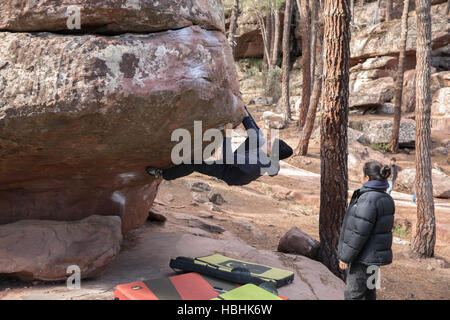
(425, 237)
(268, 59)
(302, 147)
(306, 60)
(286, 60)
(233, 25)
(388, 10)
(376, 17)
(333, 137)
(314, 26)
(352, 8)
(262, 27)
(399, 79)
(277, 36)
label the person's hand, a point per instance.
(343, 265)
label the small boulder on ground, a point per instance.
(380, 131)
(297, 242)
(441, 182)
(44, 249)
(215, 197)
(274, 120)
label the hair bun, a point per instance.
(385, 172)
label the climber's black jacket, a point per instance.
(366, 234)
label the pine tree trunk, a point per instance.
(233, 25)
(388, 10)
(306, 60)
(352, 8)
(268, 59)
(333, 137)
(286, 60)
(262, 27)
(399, 80)
(376, 17)
(314, 26)
(277, 36)
(425, 236)
(302, 148)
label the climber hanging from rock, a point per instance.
(248, 161)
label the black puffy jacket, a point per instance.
(366, 234)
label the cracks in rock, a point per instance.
(289, 262)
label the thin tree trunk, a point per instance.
(262, 27)
(268, 59)
(314, 27)
(233, 25)
(399, 80)
(388, 10)
(277, 36)
(425, 236)
(286, 60)
(333, 137)
(306, 60)
(376, 17)
(352, 8)
(302, 148)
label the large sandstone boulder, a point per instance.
(358, 155)
(41, 249)
(117, 16)
(441, 182)
(371, 93)
(382, 39)
(440, 113)
(82, 116)
(380, 131)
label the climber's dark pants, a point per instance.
(232, 174)
(356, 281)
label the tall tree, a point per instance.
(262, 27)
(333, 137)
(313, 4)
(388, 10)
(305, 18)
(276, 33)
(233, 24)
(352, 8)
(376, 17)
(269, 23)
(302, 147)
(286, 59)
(399, 79)
(425, 237)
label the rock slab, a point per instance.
(43, 250)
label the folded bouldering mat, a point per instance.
(233, 270)
(188, 286)
(247, 292)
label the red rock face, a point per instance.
(81, 116)
(111, 16)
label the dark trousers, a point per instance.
(357, 288)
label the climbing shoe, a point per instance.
(154, 172)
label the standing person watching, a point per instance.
(394, 174)
(366, 234)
